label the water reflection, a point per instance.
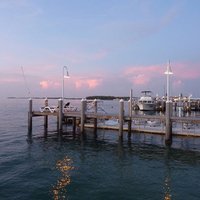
(59, 189)
(166, 188)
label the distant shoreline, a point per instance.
(77, 98)
(41, 98)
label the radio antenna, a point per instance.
(25, 81)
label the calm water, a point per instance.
(46, 166)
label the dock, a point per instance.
(125, 122)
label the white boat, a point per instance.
(146, 101)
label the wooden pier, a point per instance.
(82, 116)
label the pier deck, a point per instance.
(166, 124)
(134, 128)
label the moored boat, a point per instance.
(146, 101)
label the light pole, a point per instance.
(168, 130)
(65, 75)
(168, 72)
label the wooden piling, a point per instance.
(74, 124)
(131, 97)
(168, 130)
(60, 116)
(95, 119)
(121, 117)
(130, 113)
(46, 117)
(30, 115)
(129, 121)
(83, 108)
(129, 128)
(175, 106)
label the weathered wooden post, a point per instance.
(46, 117)
(168, 130)
(129, 121)
(74, 124)
(189, 105)
(95, 119)
(30, 115)
(121, 117)
(60, 115)
(83, 108)
(175, 106)
(130, 113)
(184, 106)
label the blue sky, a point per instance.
(108, 46)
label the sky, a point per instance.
(108, 47)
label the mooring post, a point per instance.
(184, 105)
(121, 117)
(74, 124)
(83, 108)
(46, 117)
(60, 116)
(95, 119)
(130, 113)
(189, 105)
(30, 115)
(168, 130)
(129, 121)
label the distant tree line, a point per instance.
(108, 97)
(89, 97)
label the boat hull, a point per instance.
(146, 106)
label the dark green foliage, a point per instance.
(107, 97)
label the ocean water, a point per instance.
(46, 165)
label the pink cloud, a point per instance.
(78, 85)
(91, 83)
(172, 13)
(44, 84)
(186, 70)
(177, 83)
(140, 79)
(153, 70)
(8, 58)
(77, 57)
(141, 75)
(47, 84)
(94, 82)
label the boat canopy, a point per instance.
(146, 93)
